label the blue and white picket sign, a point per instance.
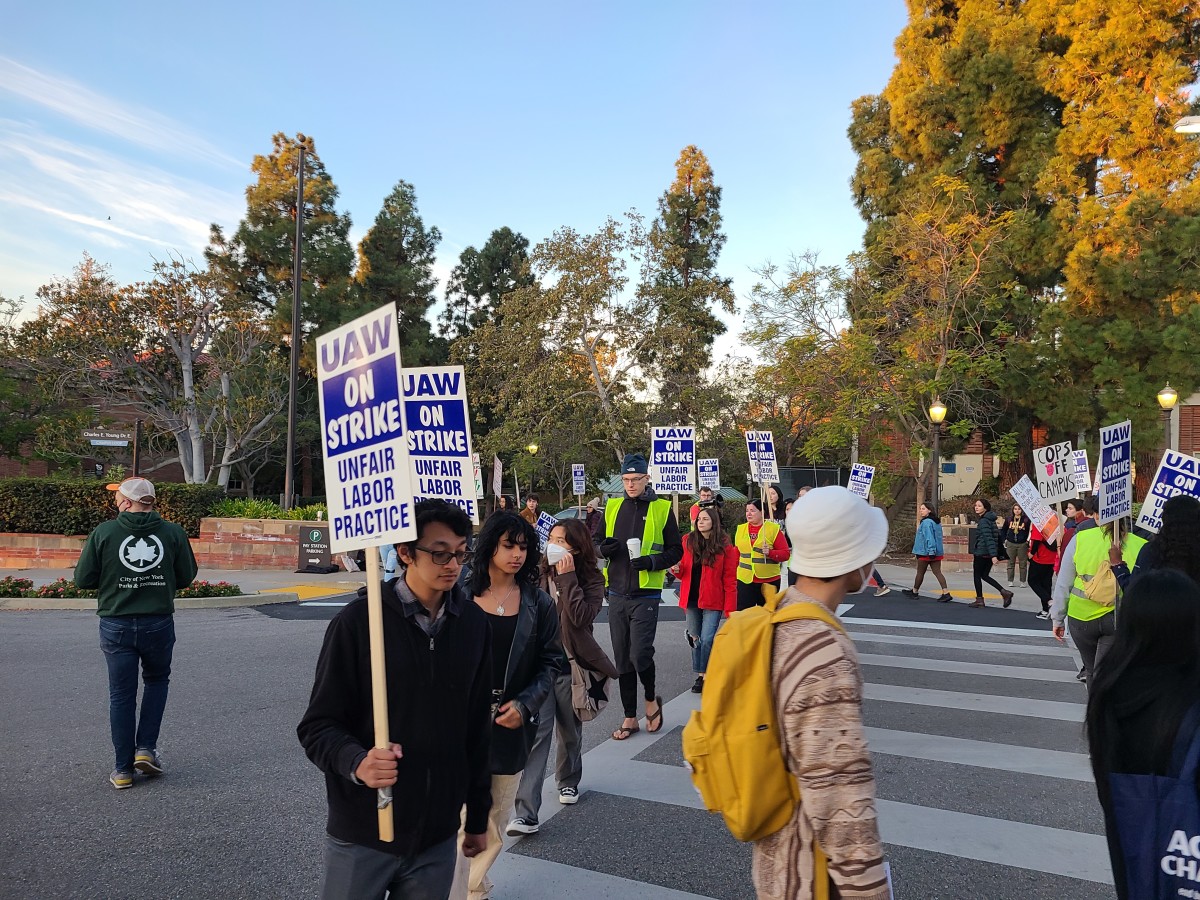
(760, 445)
(364, 444)
(439, 436)
(545, 522)
(861, 476)
(1116, 472)
(1083, 473)
(1177, 474)
(710, 474)
(673, 459)
(578, 479)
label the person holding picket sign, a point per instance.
(1085, 594)
(1143, 728)
(762, 547)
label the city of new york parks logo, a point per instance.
(141, 554)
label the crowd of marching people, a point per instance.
(496, 647)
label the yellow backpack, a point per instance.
(733, 744)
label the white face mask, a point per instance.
(555, 553)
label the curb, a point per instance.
(88, 604)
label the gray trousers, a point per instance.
(354, 872)
(568, 769)
(1093, 639)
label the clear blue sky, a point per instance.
(125, 130)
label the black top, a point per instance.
(503, 629)
(439, 694)
(630, 522)
(693, 597)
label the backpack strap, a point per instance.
(806, 610)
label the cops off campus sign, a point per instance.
(673, 459)
(439, 437)
(363, 440)
(1055, 467)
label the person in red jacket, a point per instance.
(707, 586)
(1043, 562)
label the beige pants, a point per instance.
(470, 875)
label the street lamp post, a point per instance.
(937, 415)
(1167, 398)
(289, 471)
(533, 449)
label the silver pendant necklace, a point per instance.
(500, 605)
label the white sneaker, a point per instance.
(883, 591)
(567, 796)
(1010, 584)
(1043, 615)
(522, 826)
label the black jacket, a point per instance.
(439, 697)
(1014, 532)
(533, 665)
(987, 541)
(631, 523)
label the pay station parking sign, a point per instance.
(673, 459)
(363, 441)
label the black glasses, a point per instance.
(442, 557)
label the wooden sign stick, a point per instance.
(379, 687)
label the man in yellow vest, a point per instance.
(762, 546)
(1092, 624)
(635, 581)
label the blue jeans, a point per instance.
(702, 625)
(354, 872)
(126, 641)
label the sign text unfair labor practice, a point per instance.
(363, 440)
(439, 436)
(673, 459)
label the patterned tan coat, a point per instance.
(818, 695)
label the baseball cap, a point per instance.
(139, 490)
(834, 532)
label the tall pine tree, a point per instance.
(255, 262)
(686, 240)
(395, 265)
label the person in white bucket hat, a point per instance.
(817, 688)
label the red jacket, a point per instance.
(718, 582)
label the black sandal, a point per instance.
(651, 718)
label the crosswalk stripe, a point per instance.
(911, 640)
(1045, 633)
(965, 668)
(531, 878)
(980, 754)
(990, 703)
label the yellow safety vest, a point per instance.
(652, 537)
(1091, 549)
(753, 562)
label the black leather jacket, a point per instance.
(533, 664)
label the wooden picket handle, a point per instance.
(379, 687)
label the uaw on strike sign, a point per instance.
(439, 437)
(673, 459)
(363, 439)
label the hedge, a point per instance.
(50, 506)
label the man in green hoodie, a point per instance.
(138, 562)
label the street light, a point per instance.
(1188, 125)
(289, 471)
(1167, 398)
(937, 415)
(533, 449)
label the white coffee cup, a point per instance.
(635, 547)
(555, 553)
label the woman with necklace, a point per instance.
(525, 662)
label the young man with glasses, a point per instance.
(436, 643)
(137, 562)
(635, 583)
